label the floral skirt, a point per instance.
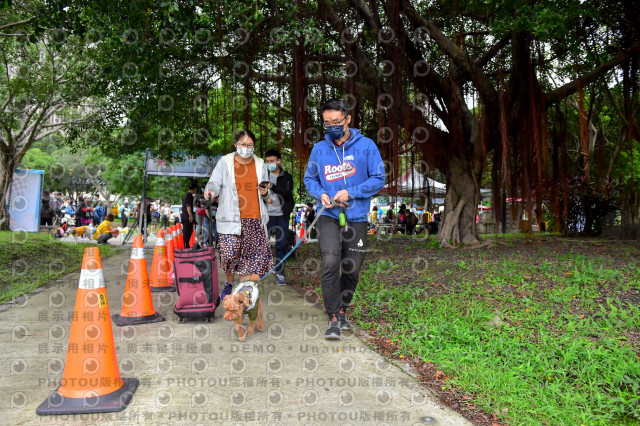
(247, 253)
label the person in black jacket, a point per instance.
(47, 209)
(188, 215)
(279, 206)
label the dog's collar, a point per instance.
(251, 289)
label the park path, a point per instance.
(196, 372)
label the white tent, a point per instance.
(414, 183)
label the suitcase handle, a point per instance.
(191, 280)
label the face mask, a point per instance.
(272, 167)
(335, 132)
(245, 152)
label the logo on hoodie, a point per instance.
(344, 170)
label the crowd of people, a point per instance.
(92, 211)
(82, 212)
(158, 215)
(406, 221)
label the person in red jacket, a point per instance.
(85, 211)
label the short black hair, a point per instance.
(336, 104)
(273, 153)
(193, 185)
(247, 133)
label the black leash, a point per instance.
(306, 234)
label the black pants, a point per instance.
(187, 230)
(341, 251)
(103, 238)
(279, 226)
(125, 220)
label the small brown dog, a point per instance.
(237, 303)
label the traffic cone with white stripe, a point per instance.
(160, 266)
(137, 305)
(174, 233)
(169, 241)
(180, 237)
(91, 381)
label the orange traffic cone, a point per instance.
(137, 306)
(160, 266)
(180, 237)
(174, 235)
(192, 240)
(169, 240)
(91, 381)
(174, 231)
(301, 230)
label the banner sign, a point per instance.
(25, 199)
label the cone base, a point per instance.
(121, 321)
(165, 288)
(114, 401)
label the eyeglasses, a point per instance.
(244, 145)
(327, 124)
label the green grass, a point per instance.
(27, 261)
(561, 357)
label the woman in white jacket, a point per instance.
(242, 214)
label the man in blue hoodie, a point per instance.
(346, 167)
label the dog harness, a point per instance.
(252, 290)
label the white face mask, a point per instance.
(244, 152)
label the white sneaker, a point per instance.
(280, 279)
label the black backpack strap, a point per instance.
(190, 280)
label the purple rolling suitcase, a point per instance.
(197, 283)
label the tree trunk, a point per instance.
(7, 166)
(460, 206)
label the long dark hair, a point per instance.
(247, 133)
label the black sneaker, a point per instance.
(333, 332)
(344, 322)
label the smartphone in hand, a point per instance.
(264, 184)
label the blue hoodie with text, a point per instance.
(356, 166)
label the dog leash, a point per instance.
(306, 234)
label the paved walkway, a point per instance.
(196, 372)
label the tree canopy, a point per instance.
(517, 95)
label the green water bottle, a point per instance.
(342, 217)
